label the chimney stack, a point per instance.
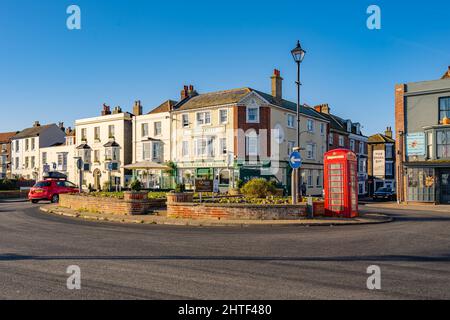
(185, 93)
(117, 110)
(137, 109)
(277, 86)
(388, 132)
(61, 126)
(323, 108)
(106, 110)
(36, 124)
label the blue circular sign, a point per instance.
(295, 160)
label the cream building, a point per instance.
(151, 143)
(105, 146)
(61, 158)
(245, 133)
(26, 146)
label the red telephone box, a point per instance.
(341, 183)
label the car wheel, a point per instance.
(55, 198)
(34, 201)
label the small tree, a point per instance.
(258, 188)
(136, 185)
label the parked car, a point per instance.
(384, 194)
(50, 190)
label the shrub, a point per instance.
(136, 185)
(180, 188)
(258, 188)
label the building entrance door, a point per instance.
(445, 187)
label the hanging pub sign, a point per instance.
(415, 144)
(204, 185)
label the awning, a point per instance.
(146, 165)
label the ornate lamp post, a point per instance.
(298, 54)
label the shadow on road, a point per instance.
(392, 258)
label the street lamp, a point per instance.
(298, 54)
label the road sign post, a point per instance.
(295, 160)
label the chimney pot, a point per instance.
(36, 124)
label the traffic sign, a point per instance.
(295, 160)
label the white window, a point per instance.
(223, 145)
(290, 121)
(322, 128)
(158, 128)
(17, 163)
(185, 120)
(211, 147)
(251, 144)
(310, 125)
(26, 162)
(97, 133)
(341, 141)
(361, 147)
(32, 163)
(203, 118)
(309, 178)
(330, 139)
(84, 134)
(44, 157)
(27, 144)
(62, 161)
(311, 151)
(253, 114)
(319, 181)
(290, 147)
(144, 130)
(33, 144)
(200, 147)
(146, 147)
(389, 168)
(156, 151)
(17, 145)
(352, 145)
(223, 116)
(97, 156)
(185, 149)
(111, 131)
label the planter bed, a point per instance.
(236, 211)
(131, 204)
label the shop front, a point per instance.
(429, 184)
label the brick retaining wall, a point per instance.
(235, 211)
(110, 205)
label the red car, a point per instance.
(50, 190)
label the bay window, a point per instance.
(443, 144)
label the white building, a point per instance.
(105, 146)
(61, 158)
(152, 134)
(26, 146)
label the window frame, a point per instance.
(447, 108)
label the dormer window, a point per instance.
(349, 126)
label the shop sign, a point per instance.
(415, 144)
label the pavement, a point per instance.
(142, 261)
(160, 218)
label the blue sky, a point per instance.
(147, 50)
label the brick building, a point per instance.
(381, 161)
(346, 134)
(5, 154)
(422, 119)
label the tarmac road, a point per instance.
(171, 262)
